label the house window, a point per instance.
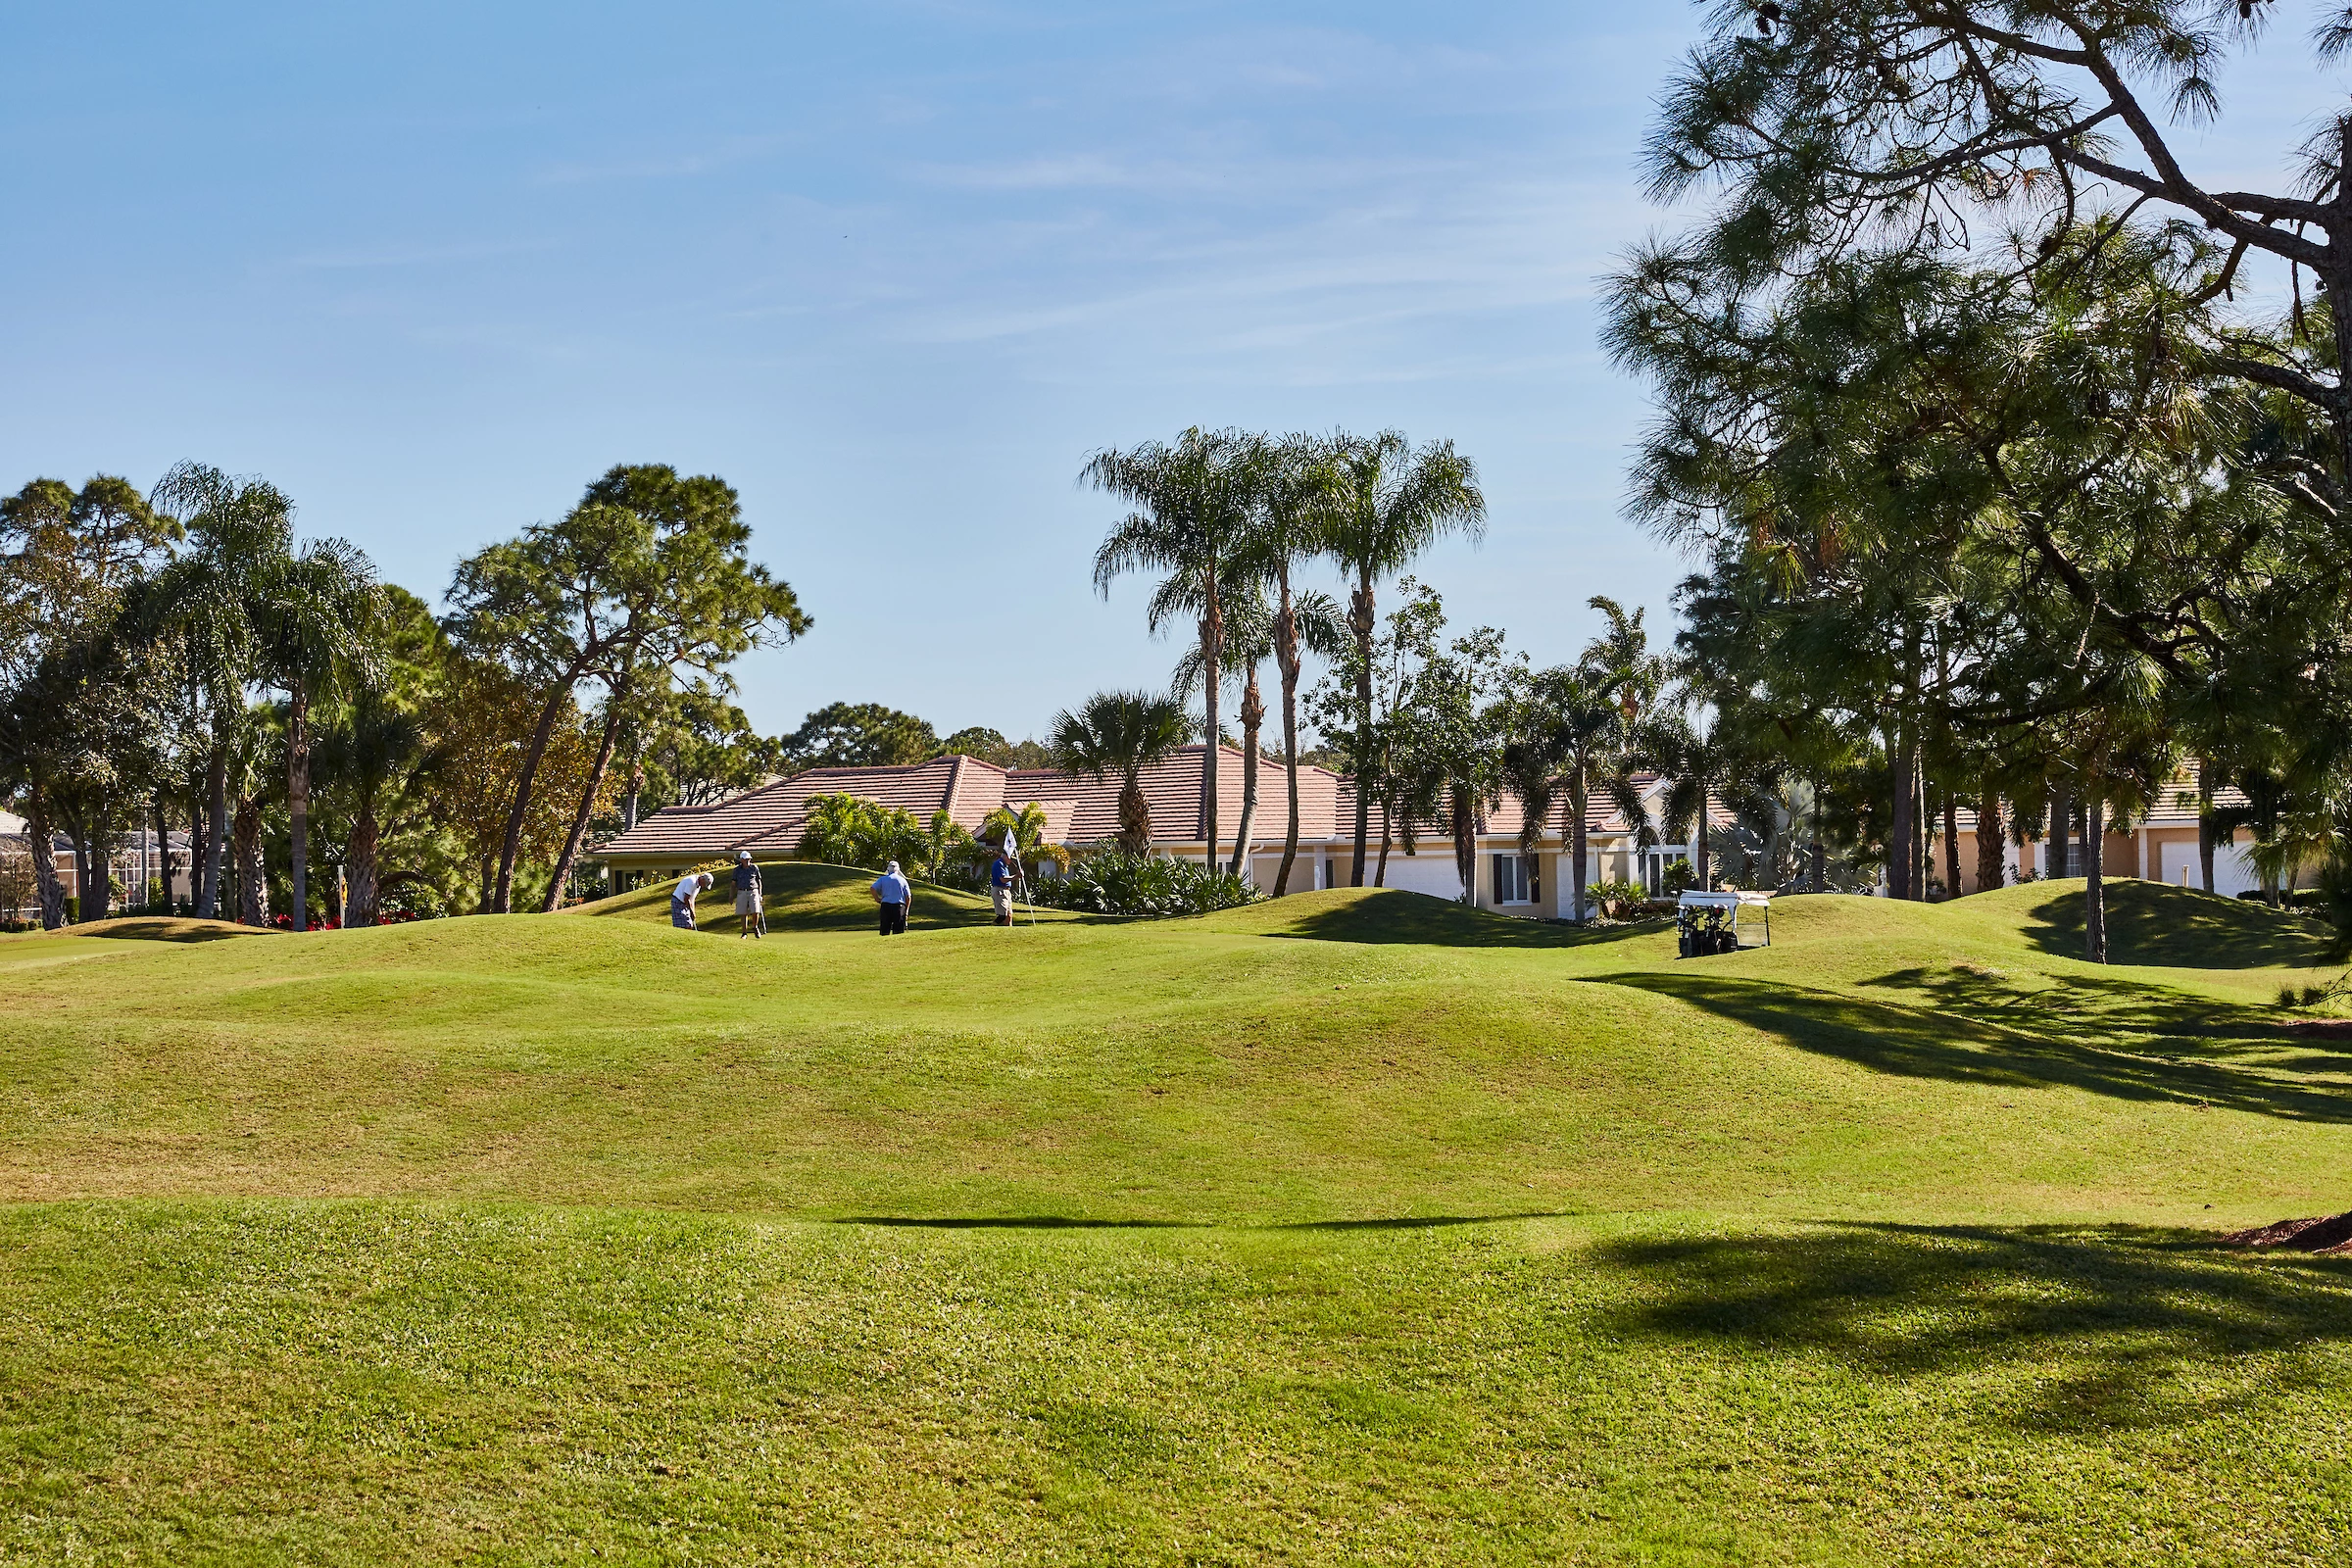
(1516, 879)
(1653, 869)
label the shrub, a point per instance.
(1619, 900)
(1115, 882)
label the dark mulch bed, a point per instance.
(2322, 1028)
(2328, 1233)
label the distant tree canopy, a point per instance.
(860, 735)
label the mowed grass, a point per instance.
(1353, 1228)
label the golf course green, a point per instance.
(1354, 1227)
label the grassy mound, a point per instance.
(806, 897)
(1356, 1225)
(2154, 923)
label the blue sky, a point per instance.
(892, 269)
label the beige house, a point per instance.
(2161, 847)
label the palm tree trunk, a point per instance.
(1134, 814)
(298, 795)
(40, 836)
(1989, 840)
(1361, 623)
(579, 818)
(1821, 853)
(502, 895)
(358, 863)
(1578, 848)
(215, 821)
(2205, 833)
(1699, 845)
(1286, 666)
(1951, 844)
(1899, 825)
(253, 885)
(1253, 718)
(1466, 844)
(1212, 639)
(163, 849)
(2095, 887)
(96, 869)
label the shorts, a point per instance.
(747, 902)
(1003, 899)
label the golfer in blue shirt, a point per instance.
(891, 892)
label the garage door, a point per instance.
(1425, 872)
(2230, 873)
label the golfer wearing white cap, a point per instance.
(751, 911)
(891, 892)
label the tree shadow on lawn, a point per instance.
(2095, 1007)
(1417, 919)
(1059, 1222)
(2079, 1330)
(2178, 928)
(1952, 1044)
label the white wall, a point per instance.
(1430, 871)
(2232, 875)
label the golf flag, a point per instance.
(1011, 850)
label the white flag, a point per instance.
(1011, 850)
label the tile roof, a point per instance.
(768, 820)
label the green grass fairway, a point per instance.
(1354, 1228)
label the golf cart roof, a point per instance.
(1723, 901)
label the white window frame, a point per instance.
(1527, 877)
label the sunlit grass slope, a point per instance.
(1355, 1227)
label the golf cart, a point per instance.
(1708, 924)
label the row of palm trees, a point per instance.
(1229, 519)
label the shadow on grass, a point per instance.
(1419, 1222)
(2068, 1330)
(1393, 916)
(2102, 1006)
(1951, 1045)
(1059, 1222)
(2181, 928)
(1016, 1222)
(159, 928)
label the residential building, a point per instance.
(768, 822)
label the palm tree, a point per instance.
(1193, 502)
(205, 602)
(1122, 733)
(1248, 642)
(1701, 765)
(1571, 743)
(1287, 528)
(1392, 503)
(369, 756)
(1027, 826)
(943, 841)
(314, 608)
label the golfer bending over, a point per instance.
(751, 910)
(681, 899)
(891, 892)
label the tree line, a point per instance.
(2005, 498)
(179, 660)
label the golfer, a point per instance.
(1000, 888)
(892, 893)
(681, 899)
(750, 909)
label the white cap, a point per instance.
(893, 865)
(743, 855)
